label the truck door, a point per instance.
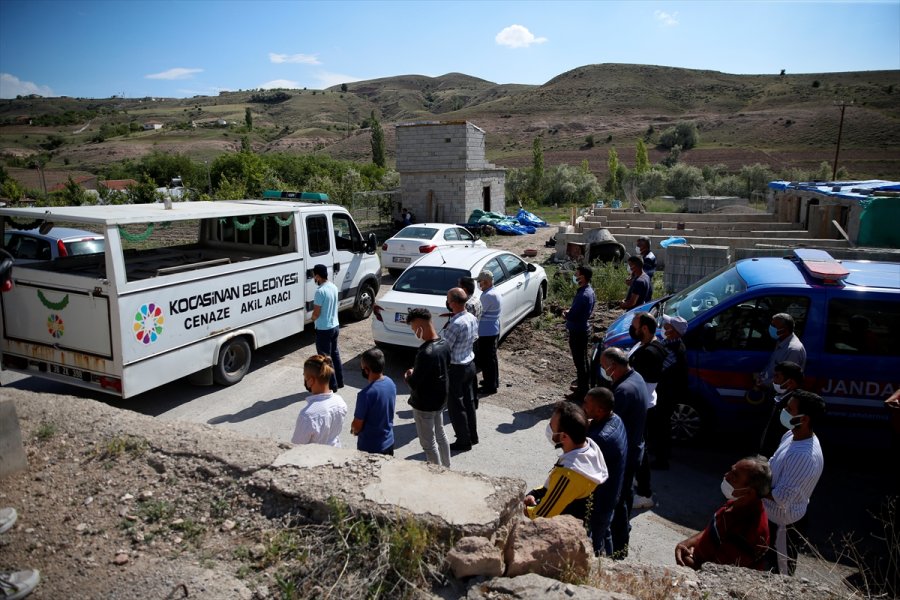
(348, 256)
(318, 251)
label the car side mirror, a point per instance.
(371, 244)
(532, 267)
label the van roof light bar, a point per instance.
(821, 266)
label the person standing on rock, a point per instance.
(578, 327)
(325, 318)
(373, 417)
(578, 471)
(489, 334)
(461, 331)
(321, 420)
(429, 382)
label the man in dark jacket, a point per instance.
(428, 382)
(671, 389)
(578, 326)
(608, 431)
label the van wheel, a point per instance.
(365, 301)
(233, 363)
(688, 422)
(539, 302)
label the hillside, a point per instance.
(783, 121)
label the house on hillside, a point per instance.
(152, 125)
(117, 185)
(444, 175)
(87, 182)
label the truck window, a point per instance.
(317, 235)
(862, 327)
(346, 236)
(745, 326)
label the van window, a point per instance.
(745, 326)
(317, 235)
(346, 235)
(862, 327)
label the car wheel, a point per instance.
(688, 422)
(365, 301)
(234, 361)
(539, 301)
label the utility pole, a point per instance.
(843, 105)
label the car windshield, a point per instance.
(416, 232)
(706, 293)
(434, 281)
(85, 247)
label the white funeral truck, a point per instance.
(188, 290)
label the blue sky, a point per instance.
(184, 48)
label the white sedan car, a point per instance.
(413, 241)
(522, 287)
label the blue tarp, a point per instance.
(529, 219)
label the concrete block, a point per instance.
(12, 452)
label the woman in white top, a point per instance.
(321, 420)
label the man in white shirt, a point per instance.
(321, 420)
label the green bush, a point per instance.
(684, 134)
(684, 181)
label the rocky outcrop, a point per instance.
(551, 547)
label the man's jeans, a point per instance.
(430, 428)
(327, 345)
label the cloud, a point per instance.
(301, 59)
(517, 36)
(11, 86)
(280, 83)
(326, 79)
(176, 73)
(666, 19)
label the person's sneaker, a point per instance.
(14, 586)
(8, 518)
(642, 502)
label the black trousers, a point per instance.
(461, 404)
(578, 347)
(487, 354)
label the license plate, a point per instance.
(400, 318)
(402, 259)
(66, 371)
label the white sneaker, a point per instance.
(15, 586)
(8, 518)
(642, 502)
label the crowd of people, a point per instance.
(612, 436)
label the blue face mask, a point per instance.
(773, 332)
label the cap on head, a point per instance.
(677, 323)
(320, 270)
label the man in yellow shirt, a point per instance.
(578, 471)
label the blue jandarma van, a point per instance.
(847, 315)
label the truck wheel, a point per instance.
(365, 301)
(688, 422)
(233, 363)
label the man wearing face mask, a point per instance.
(787, 347)
(631, 400)
(325, 319)
(461, 331)
(373, 417)
(797, 466)
(578, 327)
(639, 288)
(642, 249)
(671, 389)
(738, 533)
(788, 378)
(578, 471)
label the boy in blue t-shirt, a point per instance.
(373, 419)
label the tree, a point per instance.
(684, 181)
(248, 118)
(537, 168)
(641, 159)
(684, 134)
(73, 194)
(567, 185)
(672, 158)
(612, 164)
(756, 178)
(343, 87)
(377, 142)
(143, 192)
(589, 141)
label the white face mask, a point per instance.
(605, 375)
(728, 490)
(779, 389)
(786, 419)
(549, 433)
(418, 333)
(637, 250)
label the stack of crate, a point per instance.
(687, 264)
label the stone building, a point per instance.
(443, 172)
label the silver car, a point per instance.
(30, 245)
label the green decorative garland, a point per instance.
(244, 226)
(53, 305)
(284, 222)
(136, 237)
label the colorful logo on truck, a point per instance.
(55, 326)
(148, 323)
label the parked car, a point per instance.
(847, 315)
(411, 242)
(29, 245)
(522, 287)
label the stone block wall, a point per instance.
(688, 264)
(440, 146)
(450, 197)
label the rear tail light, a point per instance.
(427, 248)
(110, 383)
(6, 285)
(62, 248)
(384, 247)
(377, 310)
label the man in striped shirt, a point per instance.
(578, 471)
(796, 467)
(461, 331)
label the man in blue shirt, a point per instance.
(578, 325)
(461, 331)
(642, 248)
(373, 419)
(488, 334)
(325, 318)
(608, 431)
